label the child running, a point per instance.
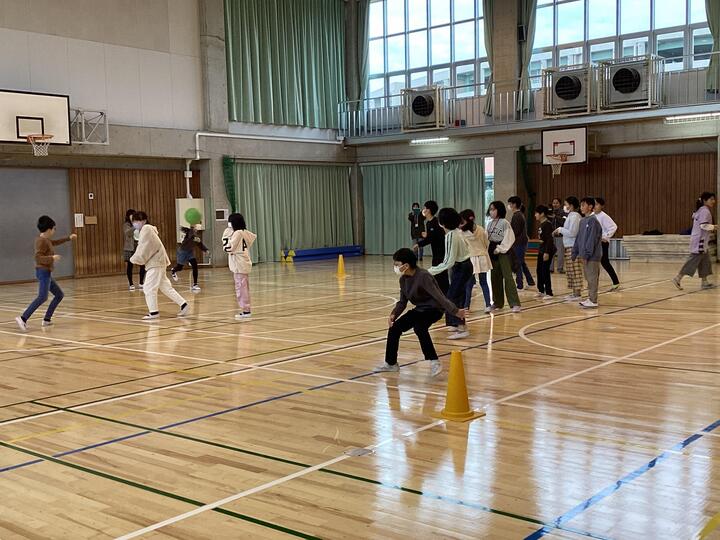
(237, 241)
(699, 260)
(129, 247)
(151, 253)
(45, 259)
(545, 253)
(420, 288)
(478, 244)
(186, 254)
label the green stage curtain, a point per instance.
(285, 61)
(389, 191)
(294, 206)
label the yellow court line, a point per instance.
(709, 527)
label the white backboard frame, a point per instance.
(34, 113)
(571, 141)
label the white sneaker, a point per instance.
(22, 324)
(539, 295)
(676, 282)
(131, 288)
(385, 367)
(140, 287)
(151, 317)
(547, 297)
(587, 304)
(243, 316)
(47, 323)
(184, 310)
(195, 288)
(488, 309)
(572, 298)
(451, 328)
(174, 276)
(516, 309)
(435, 368)
(615, 287)
(459, 335)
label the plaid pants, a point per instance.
(574, 273)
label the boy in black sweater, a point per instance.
(434, 236)
(545, 253)
(421, 289)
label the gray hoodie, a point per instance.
(588, 244)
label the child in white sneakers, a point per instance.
(151, 253)
(237, 241)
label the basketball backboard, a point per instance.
(32, 113)
(571, 142)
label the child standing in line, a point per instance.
(569, 232)
(151, 253)
(129, 247)
(478, 244)
(546, 252)
(45, 259)
(588, 248)
(237, 241)
(501, 238)
(186, 254)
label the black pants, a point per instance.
(193, 262)
(420, 322)
(544, 281)
(129, 269)
(460, 274)
(443, 281)
(605, 262)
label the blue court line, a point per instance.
(628, 478)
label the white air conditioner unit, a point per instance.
(423, 108)
(630, 83)
(569, 90)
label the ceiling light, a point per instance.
(433, 140)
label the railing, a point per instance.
(466, 106)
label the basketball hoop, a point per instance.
(556, 162)
(40, 143)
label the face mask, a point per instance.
(397, 270)
(416, 211)
(137, 225)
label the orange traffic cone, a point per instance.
(341, 267)
(457, 406)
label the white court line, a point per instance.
(308, 470)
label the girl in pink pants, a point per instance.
(237, 241)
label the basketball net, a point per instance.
(556, 162)
(40, 144)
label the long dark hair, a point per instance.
(705, 196)
(468, 216)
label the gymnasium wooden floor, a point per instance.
(600, 424)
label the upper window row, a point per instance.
(420, 14)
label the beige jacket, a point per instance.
(150, 250)
(478, 245)
(237, 244)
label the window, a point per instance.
(413, 43)
(579, 31)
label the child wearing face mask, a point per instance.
(420, 288)
(237, 240)
(151, 253)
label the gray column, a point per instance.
(212, 187)
(505, 46)
(214, 68)
(506, 173)
(357, 205)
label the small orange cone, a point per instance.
(341, 267)
(457, 406)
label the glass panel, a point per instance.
(376, 89)
(669, 13)
(697, 11)
(376, 57)
(602, 51)
(482, 52)
(602, 18)
(570, 57)
(544, 28)
(634, 16)
(635, 47)
(441, 76)
(671, 46)
(417, 47)
(396, 53)
(464, 41)
(571, 22)
(484, 77)
(538, 62)
(395, 16)
(440, 45)
(419, 78)
(439, 12)
(417, 14)
(463, 10)
(464, 76)
(480, 8)
(543, 2)
(702, 42)
(375, 27)
(395, 84)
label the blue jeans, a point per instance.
(483, 286)
(45, 284)
(522, 267)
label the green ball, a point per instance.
(193, 216)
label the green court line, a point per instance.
(459, 502)
(157, 491)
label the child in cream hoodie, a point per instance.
(237, 241)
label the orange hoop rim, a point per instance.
(38, 137)
(562, 158)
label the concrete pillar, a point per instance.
(357, 205)
(212, 187)
(506, 173)
(214, 68)
(505, 45)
